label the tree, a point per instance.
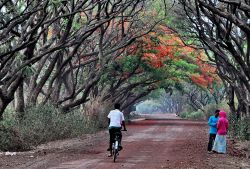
(157, 60)
(223, 28)
(59, 49)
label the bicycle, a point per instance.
(116, 145)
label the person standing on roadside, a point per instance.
(220, 142)
(212, 122)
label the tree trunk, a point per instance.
(19, 100)
(3, 104)
(2, 108)
(7, 93)
(230, 93)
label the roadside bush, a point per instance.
(9, 134)
(238, 128)
(196, 115)
(210, 109)
(10, 139)
(42, 124)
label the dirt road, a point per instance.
(148, 144)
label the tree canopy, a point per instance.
(67, 52)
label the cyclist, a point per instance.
(116, 121)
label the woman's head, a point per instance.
(222, 114)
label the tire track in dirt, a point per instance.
(148, 144)
(152, 144)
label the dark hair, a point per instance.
(216, 112)
(117, 106)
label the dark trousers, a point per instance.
(211, 142)
(112, 132)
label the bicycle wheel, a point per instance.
(114, 156)
(115, 151)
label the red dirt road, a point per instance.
(148, 144)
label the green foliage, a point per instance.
(9, 139)
(29, 71)
(238, 128)
(179, 86)
(156, 94)
(155, 40)
(196, 115)
(210, 108)
(77, 24)
(185, 66)
(125, 65)
(42, 124)
(179, 70)
(146, 65)
(129, 63)
(56, 2)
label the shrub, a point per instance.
(10, 139)
(210, 109)
(9, 134)
(41, 124)
(196, 115)
(238, 128)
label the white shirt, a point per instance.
(116, 117)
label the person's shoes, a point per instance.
(120, 148)
(109, 149)
(110, 155)
(210, 152)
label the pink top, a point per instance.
(222, 125)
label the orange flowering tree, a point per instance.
(161, 59)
